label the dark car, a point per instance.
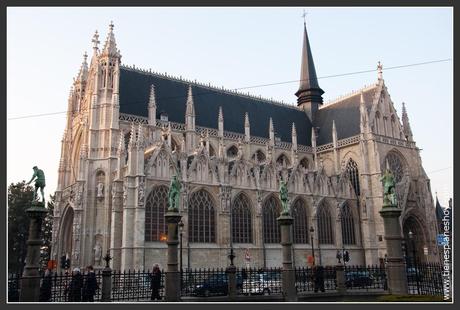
(358, 279)
(216, 284)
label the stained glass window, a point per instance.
(241, 220)
(155, 208)
(201, 224)
(270, 212)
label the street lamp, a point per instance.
(312, 230)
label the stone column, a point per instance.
(340, 277)
(30, 282)
(288, 273)
(396, 268)
(172, 280)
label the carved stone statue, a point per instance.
(97, 253)
(39, 182)
(389, 195)
(284, 198)
(100, 190)
(174, 192)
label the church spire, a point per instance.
(406, 126)
(110, 46)
(83, 74)
(309, 95)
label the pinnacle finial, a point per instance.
(304, 15)
(361, 99)
(246, 119)
(95, 40)
(111, 25)
(85, 56)
(152, 100)
(379, 70)
(221, 115)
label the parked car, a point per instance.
(216, 284)
(358, 279)
(264, 283)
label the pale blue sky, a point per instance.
(232, 47)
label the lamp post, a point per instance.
(181, 229)
(312, 230)
(411, 238)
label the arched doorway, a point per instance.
(414, 245)
(66, 233)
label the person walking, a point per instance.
(45, 288)
(155, 283)
(90, 285)
(75, 286)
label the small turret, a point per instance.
(271, 132)
(247, 128)
(406, 126)
(152, 106)
(220, 123)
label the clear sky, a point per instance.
(232, 47)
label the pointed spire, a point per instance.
(309, 94)
(152, 99)
(247, 128)
(190, 105)
(83, 73)
(121, 145)
(334, 133)
(220, 122)
(132, 137)
(140, 136)
(379, 71)
(271, 132)
(308, 78)
(294, 137)
(96, 42)
(313, 137)
(363, 121)
(110, 46)
(406, 125)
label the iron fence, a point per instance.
(134, 285)
(330, 278)
(424, 279)
(264, 281)
(55, 288)
(204, 282)
(304, 279)
(365, 277)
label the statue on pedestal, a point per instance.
(174, 192)
(39, 182)
(100, 190)
(97, 254)
(389, 195)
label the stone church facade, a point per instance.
(130, 130)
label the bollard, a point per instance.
(30, 282)
(106, 284)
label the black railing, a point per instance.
(204, 282)
(134, 285)
(365, 278)
(424, 279)
(264, 281)
(304, 279)
(330, 278)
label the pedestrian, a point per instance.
(155, 282)
(90, 285)
(75, 286)
(319, 278)
(45, 288)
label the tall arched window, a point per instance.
(299, 213)
(258, 156)
(348, 225)
(353, 175)
(201, 218)
(396, 166)
(325, 222)
(241, 220)
(271, 230)
(283, 161)
(155, 208)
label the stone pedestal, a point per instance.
(30, 283)
(396, 268)
(231, 274)
(106, 284)
(340, 277)
(172, 277)
(288, 273)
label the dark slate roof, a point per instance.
(345, 113)
(171, 96)
(439, 211)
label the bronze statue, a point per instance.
(284, 198)
(174, 191)
(39, 182)
(389, 196)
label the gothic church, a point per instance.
(130, 130)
